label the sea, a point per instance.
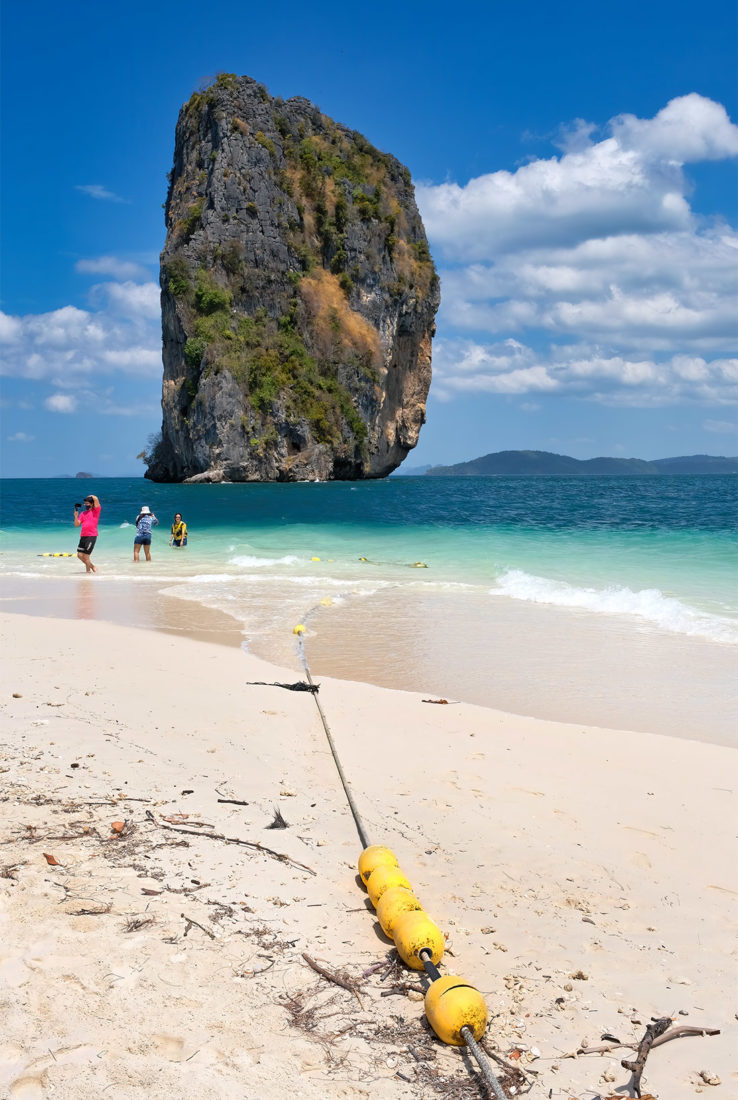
(606, 600)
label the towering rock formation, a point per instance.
(298, 297)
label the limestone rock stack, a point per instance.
(298, 297)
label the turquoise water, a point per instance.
(660, 550)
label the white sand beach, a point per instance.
(585, 877)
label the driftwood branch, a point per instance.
(190, 923)
(675, 1033)
(232, 840)
(330, 976)
(653, 1031)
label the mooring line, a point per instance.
(346, 786)
(455, 1011)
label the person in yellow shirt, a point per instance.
(179, 531)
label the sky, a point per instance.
(574, 164)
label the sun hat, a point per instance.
(145, 510)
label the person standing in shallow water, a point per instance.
(179, 531)
(145, 520)
(86, 517)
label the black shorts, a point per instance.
(87, 544)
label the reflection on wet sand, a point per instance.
(139, 605)
(86, 601)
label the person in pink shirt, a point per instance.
(86, 517)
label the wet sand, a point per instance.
(544, 662)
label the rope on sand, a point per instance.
(342, 775)
(455, 1010)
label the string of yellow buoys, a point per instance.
(455, 1009)
(451, 1003)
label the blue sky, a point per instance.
(574, 164)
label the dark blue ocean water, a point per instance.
(662, 549)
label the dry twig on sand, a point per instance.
(190, 923)
(135, 924)
(330, 976)
(233, 840)
(675, 1033)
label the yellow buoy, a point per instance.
(381, 879)
(392, 904)
(376, 855)
(415, 932)
(419, 565)
(315, 559)
(299, 629)
(450, 1004)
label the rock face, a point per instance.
(298, 297)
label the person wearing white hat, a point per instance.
(145, 520)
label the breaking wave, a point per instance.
(648, 604)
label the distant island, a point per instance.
(546, 464)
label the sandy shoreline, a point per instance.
(586, 879)
(522, 658)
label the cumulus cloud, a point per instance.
(629, 182)
(721, 427)
(97, 191)
(688, 129)
(111, 265)
(129, 299)
(61, 403)
(464, 366)
(596, 260)
(69, 345)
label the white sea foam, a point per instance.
(246, 561)
(649, 604)
(208, 578)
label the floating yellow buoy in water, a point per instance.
(415, 932)
(381, 879)
(450, 1004)
(315, 559)
(299, 629)
(419, 565)
(392, 904)
(376, 855)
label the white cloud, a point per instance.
(21, 437)
(464, 366)
(594, 258)
(69, 346)
(629, 182)
(721, 427)
(111, 265)
(10, 328)
(139, 408)
(97, 191)
(61, 403)
(688, 129)
(130, 299)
